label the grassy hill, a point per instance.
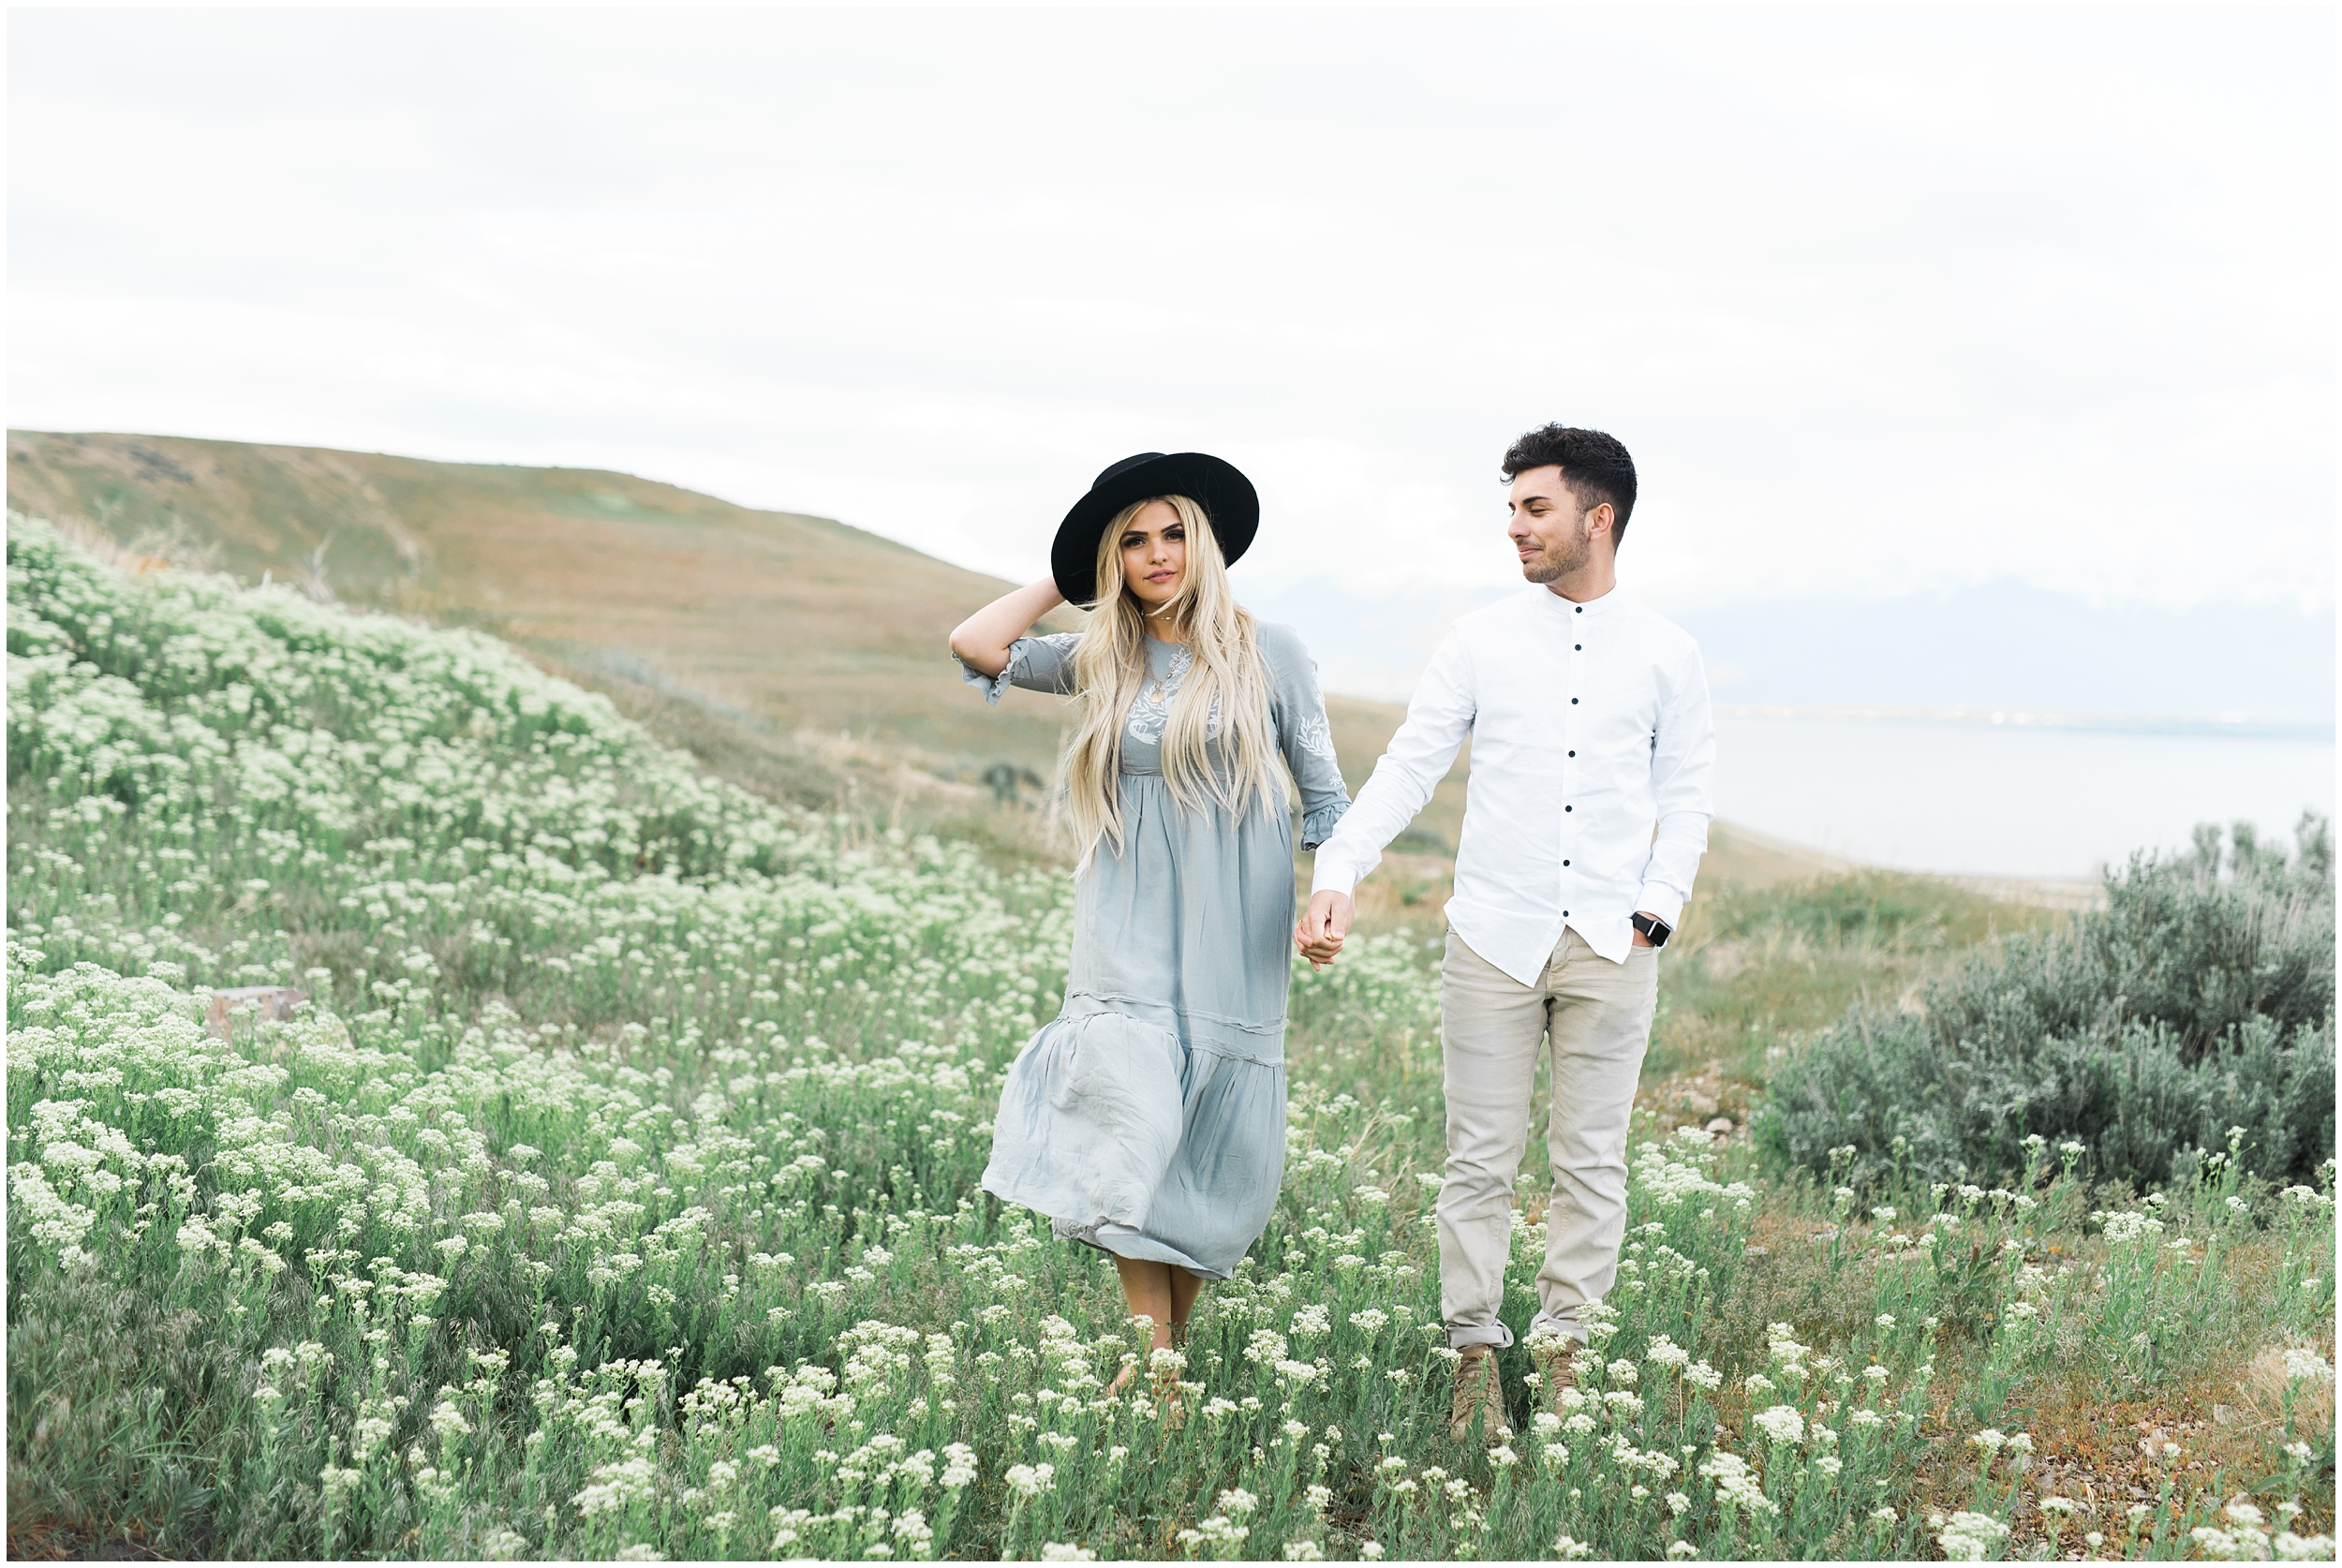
(792, 654)
(796, 625)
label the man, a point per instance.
(1590, 728)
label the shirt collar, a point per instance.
(1592, 608)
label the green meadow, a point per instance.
(609, 1190)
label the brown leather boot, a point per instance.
(1480, 1393)
(1556, 1360)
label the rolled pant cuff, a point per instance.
(1548, 1329)
(1461, 1335)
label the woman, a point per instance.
(1148, 1118)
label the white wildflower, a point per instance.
(2307, 1366)
(1971, 1537)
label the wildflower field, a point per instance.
(612, 1194)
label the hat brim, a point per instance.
(1218, 486)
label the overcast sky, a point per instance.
(1882, 300)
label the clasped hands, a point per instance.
(1322, 926)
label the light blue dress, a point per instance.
(1148, 1118)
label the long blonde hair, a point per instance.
(1222, 697)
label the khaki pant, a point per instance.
(1598, 1016)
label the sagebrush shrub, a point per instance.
(2192, 1003)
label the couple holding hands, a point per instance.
(1148, 1118)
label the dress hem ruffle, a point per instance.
(1120, 1241)
(1094, 1131)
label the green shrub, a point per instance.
(2199, 999)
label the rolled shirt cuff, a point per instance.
(1334, 872)
(1657, 898)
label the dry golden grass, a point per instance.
(794, 622)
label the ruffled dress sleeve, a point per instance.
(1034, 663)
(1308, 741)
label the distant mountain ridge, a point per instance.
(2010, 646)
(1996, 647)
(2231, 726)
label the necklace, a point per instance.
(1157, 693)
(1156, 696)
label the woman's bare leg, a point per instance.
(1147, 1285)
(1185, 1288)
(1152, 1291)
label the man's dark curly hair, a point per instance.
(1595, 464)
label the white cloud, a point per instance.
(1882, 300)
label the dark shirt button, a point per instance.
(1573, 702)
(1582, 608)
(1569, 808)
(1564, 914)
(1579, 646)
(1573, 754)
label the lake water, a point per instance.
(1980, 799)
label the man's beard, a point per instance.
(1556, 562)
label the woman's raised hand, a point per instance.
(982, 641)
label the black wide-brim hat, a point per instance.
(1225, 494)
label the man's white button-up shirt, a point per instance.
(1590, 728)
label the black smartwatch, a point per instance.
(1654, 930)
